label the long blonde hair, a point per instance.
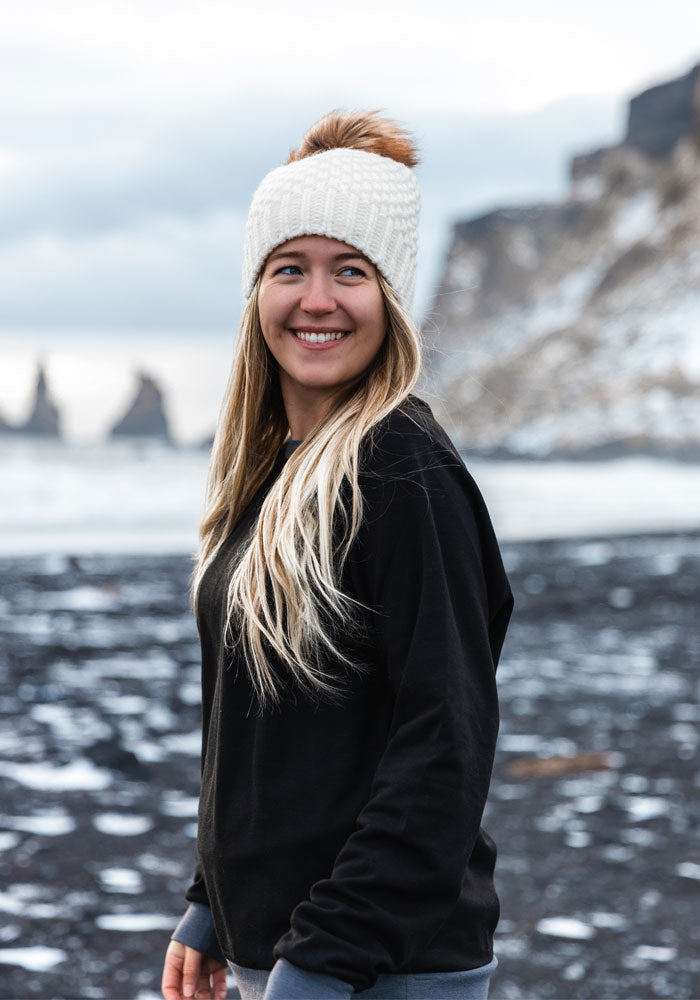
(284, 594)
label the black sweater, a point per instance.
(347, 839)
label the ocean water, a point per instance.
(145, 497)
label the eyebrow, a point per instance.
(296, 254)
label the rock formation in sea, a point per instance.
(44, 417)
(574, 328)
(145, 417)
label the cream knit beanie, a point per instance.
(369, 201)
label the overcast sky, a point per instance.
(133, 134)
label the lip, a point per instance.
(319, 329)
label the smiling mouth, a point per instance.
(314, 337)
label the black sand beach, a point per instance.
(594, 802)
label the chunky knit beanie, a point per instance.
(369, 201)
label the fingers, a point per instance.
(172, 971)
(187, 972)
(192, 973)
(216, 989)
(219, 980)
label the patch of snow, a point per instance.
(644, 807)
(589, 188)
(176, 804)
(75, 726)
(16, 903)
(124, 704)
(566, 927)
(609, 921)
(189, 744)
(121, 880)
(655, 953)
(48, 824)
(78, 599)
(133, 923)
(8, 840)
(79, 774)
(35, 959)
(635, 218)
(522, 249)
(122, 824)
(688, 869)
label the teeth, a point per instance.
(318, 338)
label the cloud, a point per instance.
(134, 133)
(146, 231)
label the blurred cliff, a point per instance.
(573, 329)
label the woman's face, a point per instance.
(322, 316)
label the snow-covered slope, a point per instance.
(574, 328)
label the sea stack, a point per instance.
(145, 417)
(44, 417)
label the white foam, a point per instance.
(63, 498)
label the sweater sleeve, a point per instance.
(424, 547)
(196, 891)
(196, 930)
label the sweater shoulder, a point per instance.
(409, 441)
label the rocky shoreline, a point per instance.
(593, 803)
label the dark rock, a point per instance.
(111, 754)
(145, 416)
(44, 416)
(662, 115)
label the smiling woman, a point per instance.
(351, 603)
(323, 318)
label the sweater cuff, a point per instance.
(289, 982)
(196, 930)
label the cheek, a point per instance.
(271, 309)
(378, 319)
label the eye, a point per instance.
(357, 270)
(287, 269)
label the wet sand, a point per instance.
(594, 801)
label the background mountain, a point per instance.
(574, 328)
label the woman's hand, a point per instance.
(187, 973)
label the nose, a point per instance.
(317, 296)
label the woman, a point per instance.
(351, 604)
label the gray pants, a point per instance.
(470, 985)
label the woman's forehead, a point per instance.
(321, 246)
